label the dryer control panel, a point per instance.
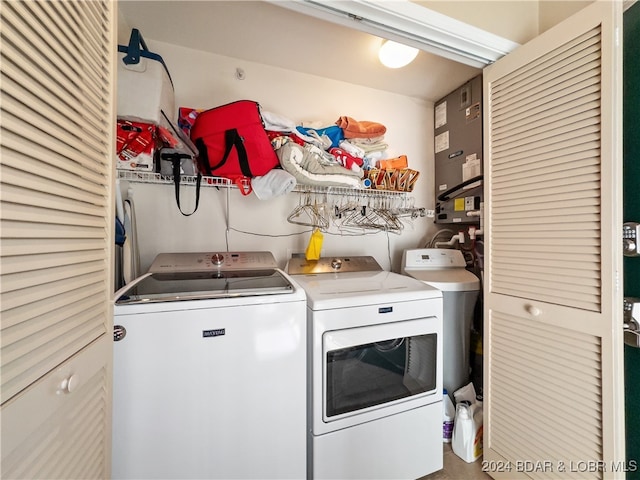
(302, 266)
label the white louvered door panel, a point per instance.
(53, 432)
(57, 120)
(554, 389)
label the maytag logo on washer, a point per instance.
(213, 333)
(119, 332)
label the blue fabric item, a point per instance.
(334, 132)
(134, 52)
(120, 233)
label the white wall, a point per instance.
(520, 20)
(204, 80)
(553, 12)
(515, 20)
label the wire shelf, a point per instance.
(157, 178)
(347, 191)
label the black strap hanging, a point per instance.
(176, 159)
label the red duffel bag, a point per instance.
(232, 142)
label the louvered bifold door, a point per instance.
(553, 337)
(57, 117)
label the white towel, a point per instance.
(277, 123)
(273, 183)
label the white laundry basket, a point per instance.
(145, 88)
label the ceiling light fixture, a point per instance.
(411, 24)
(396, 55)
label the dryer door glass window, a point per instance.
(380, 372)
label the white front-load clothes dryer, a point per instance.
(375, 351)
(209, 375)
(445, 270)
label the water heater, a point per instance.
(458, 154)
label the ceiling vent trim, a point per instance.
(411, 24)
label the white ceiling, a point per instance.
(263, 32)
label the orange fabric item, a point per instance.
(394, 163)
(364, 129)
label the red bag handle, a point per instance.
(243, 184)
(231, 139)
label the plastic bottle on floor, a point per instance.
(448, 415)
(479, 421)
(466, 440)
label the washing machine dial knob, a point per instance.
(336, 263)
(217, 259)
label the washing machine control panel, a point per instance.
(217, 258)
(433, 258)
(206, 261)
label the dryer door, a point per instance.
(367, 369)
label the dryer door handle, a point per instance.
(353, 337)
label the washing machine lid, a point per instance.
(353, 289)
(446, 279)
(180, 286)
(441, 268)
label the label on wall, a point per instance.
(473, 112)
(470, 169)
(441, 114)
(442, 141)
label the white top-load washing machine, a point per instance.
(209, 377)
(445, 269)
(375, 351)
